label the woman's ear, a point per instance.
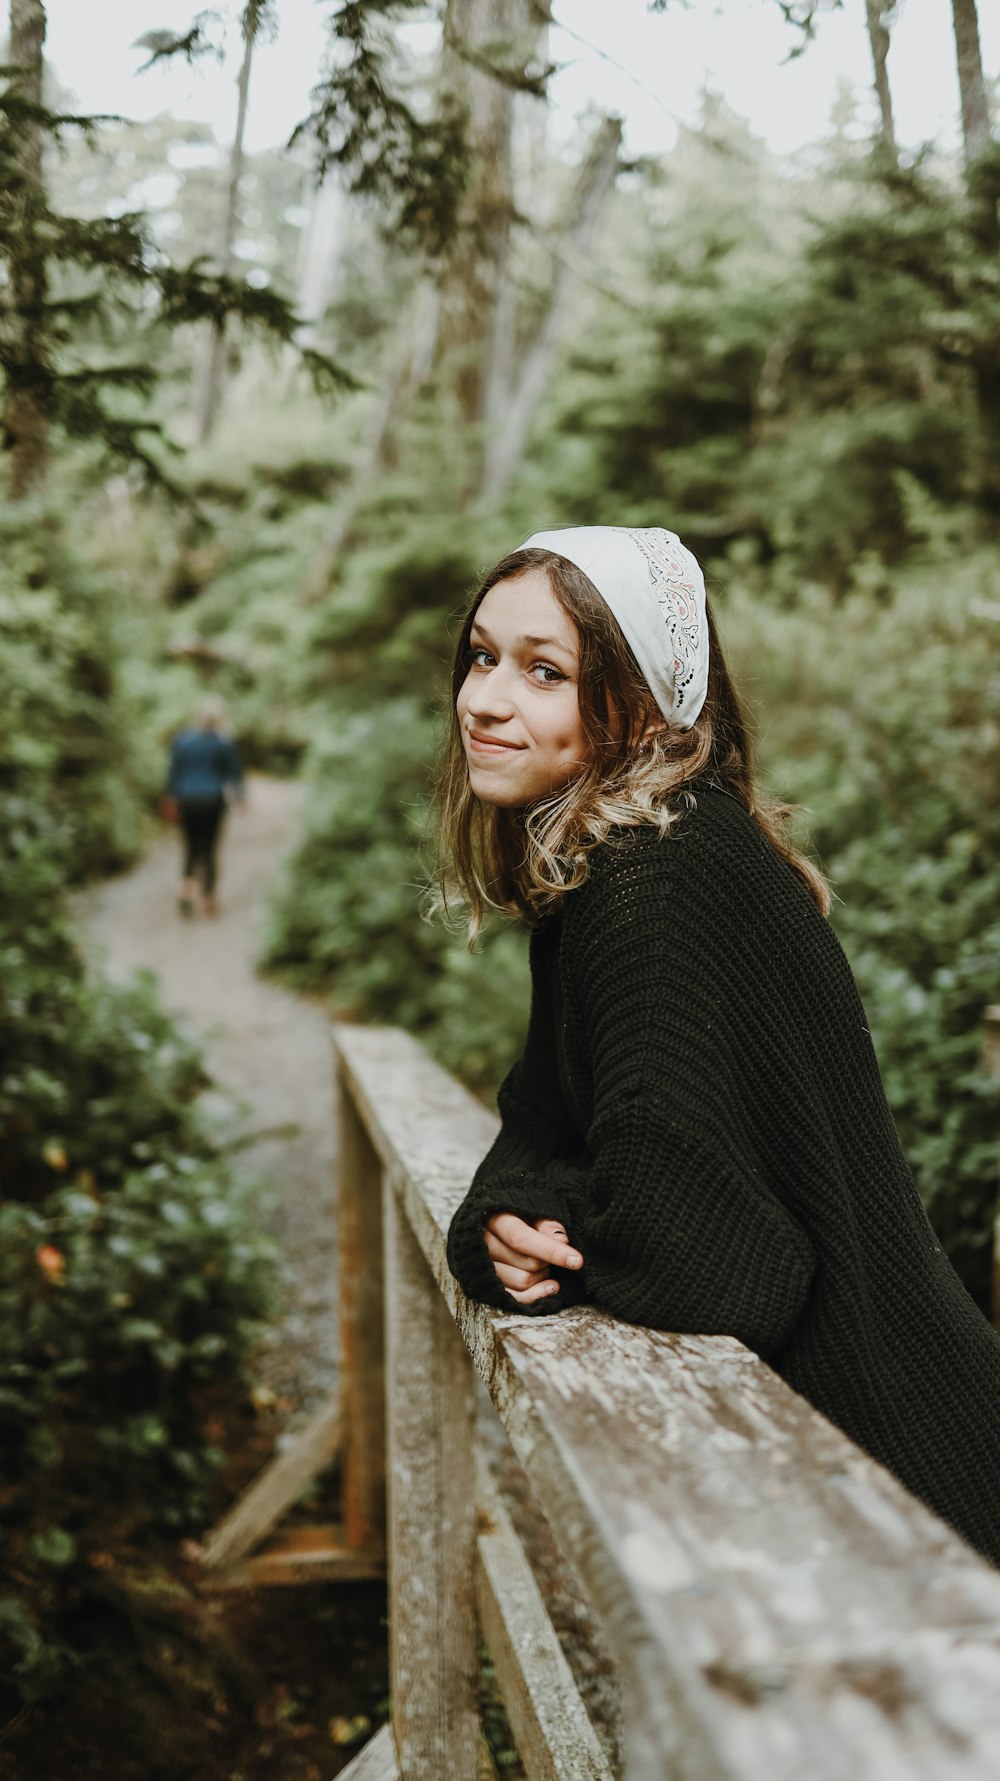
(654, 726)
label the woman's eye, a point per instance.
(481, 658)
(546, 673)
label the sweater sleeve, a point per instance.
(524, 1170)
(677, 1227)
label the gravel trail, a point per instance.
(267, 1051)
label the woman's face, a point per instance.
(519, 708)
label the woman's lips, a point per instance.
(490, 745)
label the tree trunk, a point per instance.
(457, 323)
(878, 37)
(975, 106)
(372, 459)
(515, 395)
(476, 304)
(25, 420)
(211, 389)
(321, 253)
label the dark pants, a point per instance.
(201, 820)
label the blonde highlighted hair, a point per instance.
(523, 861)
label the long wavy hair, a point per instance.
(523, 861)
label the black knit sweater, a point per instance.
(698, 1102)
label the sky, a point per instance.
(613, 55)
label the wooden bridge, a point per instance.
(779, 1607)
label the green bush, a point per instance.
(129, 1277)
(349, 918)
(73, 740)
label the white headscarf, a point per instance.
(655, 589)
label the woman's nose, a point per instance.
(488, 695)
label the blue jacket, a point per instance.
(202, 765)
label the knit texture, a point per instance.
(698, 1102)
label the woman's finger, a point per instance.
(515, 1258)
(524, 1238)
(545, 1289)
(516, 1279)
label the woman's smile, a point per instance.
(484, 744)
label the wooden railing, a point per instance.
(779, 1607)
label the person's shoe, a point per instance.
(186, 907)
(210, 906)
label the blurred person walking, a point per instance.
(205, 776)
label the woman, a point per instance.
(695, 1137)
(205, 772)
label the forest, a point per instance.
(266, 416)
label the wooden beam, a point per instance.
(362, 1336)
(551, 1726)
(274, 1490)
(300, 1555)
(433, 1642)
(376, 1762)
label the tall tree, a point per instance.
(255, 13)
(322, 247)
(877, 15)
(975, 104)
(25, 420)
(487, 46)
(517, 382)
(459, 319)
(68, 281)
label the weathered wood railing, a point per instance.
(780, 1609)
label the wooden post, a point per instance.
(362, 1402)
(433, 1640)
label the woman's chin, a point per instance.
(495, 794)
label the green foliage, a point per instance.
(128, 1274)
(89, 282)
(73, 742)
(416, 165)
(351, 918)
(783, 371)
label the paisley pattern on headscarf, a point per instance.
(679, 588)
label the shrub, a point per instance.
(129, 1277)
(349, 917)
(72, 739)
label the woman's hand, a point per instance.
(522, 1254)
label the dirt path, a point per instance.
(267, 1051)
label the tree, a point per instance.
(487, 44)
(70, 283)
(457, 324)
(975, 105)
(320, 253)
(515, 390)
(255, 14)
(25, 421)
(877, 15)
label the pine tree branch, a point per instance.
(191, 44)
(417, 167)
